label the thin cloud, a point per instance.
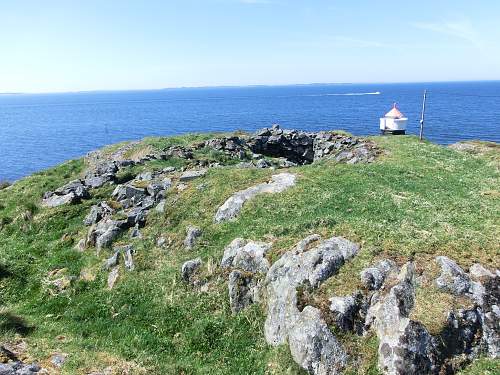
(462, 30)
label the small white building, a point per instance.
(394, 122)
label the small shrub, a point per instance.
(4, 184)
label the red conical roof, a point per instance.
(394, 113)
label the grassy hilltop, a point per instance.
(415, 201)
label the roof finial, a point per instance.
(395, 105)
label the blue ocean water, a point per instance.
(42, 130)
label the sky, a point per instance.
(69, 45)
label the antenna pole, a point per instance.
(423, 116)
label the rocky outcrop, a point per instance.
(373, 277)
(246, 255)
(311, 261)
(136, 199)
(483, 287)
(232, 206)
(192, 174)
(105, 232)
(246, 259)
(189, 269)
(243, 290)
(72, 192)
(452, 279)
(192, 235)
(313, 346)
(20, 368)
(405, 346)
(97, 213)
(101, 174)
(349, 312)
(296, 147)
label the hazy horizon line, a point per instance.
(243, 86)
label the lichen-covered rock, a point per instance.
(460, 337)
(112, 261)
(192, 235)
(232, 206)
(105, 232)
(478, 272)
(246, 258)
(189, 269)
(72, 192)
(192, 174)
(347, 312)
(405, 346)
(243, 290)
(130, 193)
(373, 277)
(311, 261)
(313, 346)
(490, 316)
(20, 368)
(97, 213)
(246, 255)
(452, 278)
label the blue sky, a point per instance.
(69, 45)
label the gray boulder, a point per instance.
(192, 235)
(112, 261)
(313, 346)
(189, 269)
(243, 290)
(373, 277)
(130, 193)
(72, 192)
(192, 174)
(263, 163)
(347, 312)
(246, 255)
(405, 346)
(246, 258)
(19, 368)
(58, 200)
(490, 316)
(452, 278)
(233, 205)
(106, 232)
(76, 187)
(312, 261)
(98, 212)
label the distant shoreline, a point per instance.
(242, 86)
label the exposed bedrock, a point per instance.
(247, 260)
(296, 146)
(72, 192)
(313, 346)
(312, 261)
(483, 287)
(234, 204)
(405, 346)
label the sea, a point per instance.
(38, 131)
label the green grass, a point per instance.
(418, 200)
